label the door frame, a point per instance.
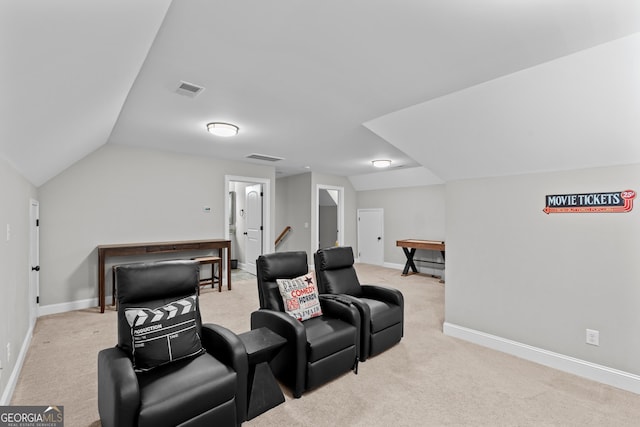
(34, 260)
(250, 262)
(267, 235)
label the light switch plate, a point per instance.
(593, 337)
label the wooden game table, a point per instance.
(409, 247)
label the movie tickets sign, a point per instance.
(619, 201)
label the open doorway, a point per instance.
(330, 215)
(247, 217)
(327, 218)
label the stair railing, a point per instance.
(282, 235)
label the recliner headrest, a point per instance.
(156, 280)
(283, 265)
(278, 265)
(336, 257)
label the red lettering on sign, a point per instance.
(300, 292)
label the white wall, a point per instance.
(119, 194)
(518, 274)
(16, 193)
(293, 208)
(409, 213)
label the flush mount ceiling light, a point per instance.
(222, 129)
(381, 163)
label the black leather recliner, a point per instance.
(207, 389)
(318, 349)
(381, 309)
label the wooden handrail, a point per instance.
(281, 236)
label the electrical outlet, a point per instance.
(8, 352)
(593, 337)
(8, 232)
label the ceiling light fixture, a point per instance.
(381, 163)
(222, 129)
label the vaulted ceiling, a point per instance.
(446, 89)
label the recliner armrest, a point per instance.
(340, 306)
(225, 346)
(291, 366)
(118, 390)
(347, 308)
(383, 294)
(280, 323)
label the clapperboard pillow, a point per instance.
(164, 334)
(300, 296)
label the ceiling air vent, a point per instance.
(189, 89)
(264, 157)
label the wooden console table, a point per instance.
(409, 247)
(126, 249)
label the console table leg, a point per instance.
(409, 263)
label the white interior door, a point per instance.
(34, 260)
(371, 236)
(253, 234)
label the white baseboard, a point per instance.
(44, 310)
(394, 266)
(433, 271)
(7, 394)
(5, 400)
(582, 368)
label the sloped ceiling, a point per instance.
(575, 112)
(446, 89)
(67, 67)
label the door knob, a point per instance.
(36, 268)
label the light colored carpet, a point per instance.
(428, 379)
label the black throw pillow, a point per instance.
(164, 334)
